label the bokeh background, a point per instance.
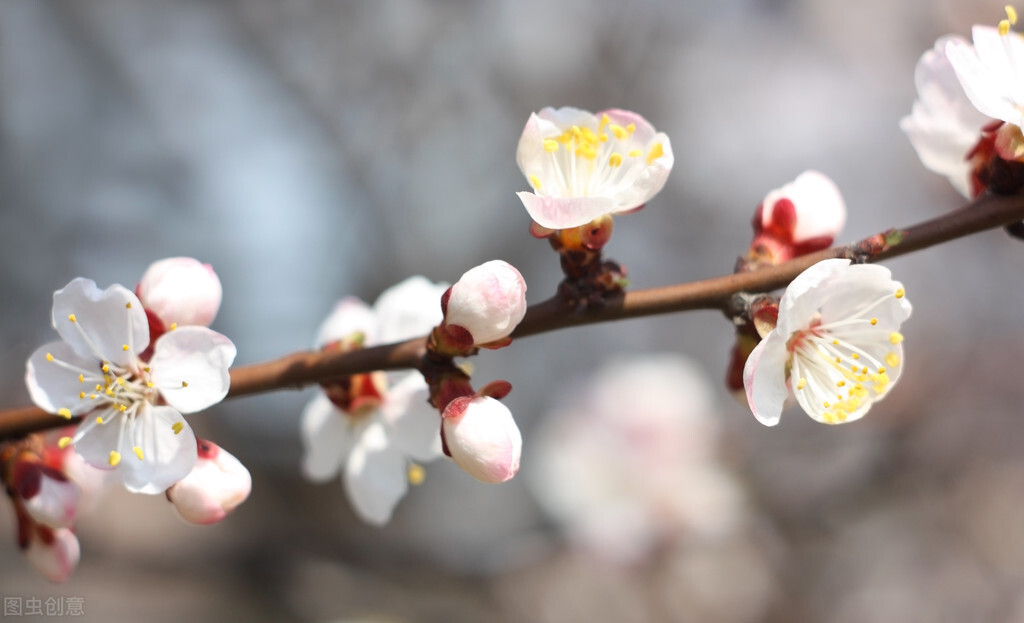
(310, 149)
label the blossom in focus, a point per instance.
(803, 216)
(482, 438)
(944, 126)
(582, 166)
(485, 305)
(836, 347)
(216, 486)
(372, 427)
(180, 291)
(630, 462)
(132, 406)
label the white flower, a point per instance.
(944, 126)
(181, 291)
(630, 462)
(807, 211)
(482, 438)
(836, 347)
(582, 166)
(53, 552)
(992, 71)
(133, 407)
(488, 301)
(216, 486)
(377, 424)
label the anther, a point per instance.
(802, 383)
(64, 442)
(124, 347)
(1011, 14)
(874, 321)
(615, 159)
(177, 427)
(115, 458)
(619, 131)
(99, 419)
(895, 338)
(184, 384)
(105, 368)
(81, 378)
(633, 153)
(550, 145)
(49, 357)
(64, 412)
(138, 452)
(533, 180)
(892, 360)
(855, 356)
(416, 474)
(128, 305)
(72, 318)
(900, 293)
(656, 152)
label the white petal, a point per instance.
(56, 502)
(105, 321)
(408, 309)
(803, 297)
(565, 212)
(215, 487)
(415, 424)
(327, 437)
(348, 317)
(649, 180)
(865, 291)
(764, 377)
(198, 357)
(375, 476)
(54, 386)
(489, 301)
(55, 560)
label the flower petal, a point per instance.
(803, 297)
(190, 367)
(408, 309)
(764, 378)
(327, 437)
(105, 321)
(55, 385)
(415, 424)
(181, 290)
(375, 476)
(57, 558)
(565, 212)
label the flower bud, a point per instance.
(482, 438)
(487, 302)
(53, 552)
(801, 217)
(49, 497)
(215, 486)
(180, 290)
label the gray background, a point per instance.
(310, 149)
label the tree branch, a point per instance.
(304, 368)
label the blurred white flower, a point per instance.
(216, 486)
(631, 464)
(582, 166)
(836, 346)
(181, 291)
(370, 426)
(992, 70)
(803, 216)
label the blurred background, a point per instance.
(310, 149)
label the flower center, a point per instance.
(585, 161)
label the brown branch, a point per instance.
(304, 368)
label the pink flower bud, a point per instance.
(807, 210)
(216, 485)
(180, 290)
(487, 302)
(49, 497)
(483, 439)
(53, 552)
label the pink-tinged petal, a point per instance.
(327, 436)
(819, 209)
(415, 426)
(182, 291)
(55, 385)
(408, 309)
(483, 439)
(350, 316)
(190, 367)
(644, 132)
(565, 212)
(105, 321)
(489, 301)
(764, 378)
(54, 555)
(636, 191)
(803, 298)
(56, 502)
(216, 486)
(376, 476)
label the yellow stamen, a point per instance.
(138, 452)
(619, 131)
(81, 395)
(99, 419)
(184, 384)
(550, 145)
(633, 153)
(81, 378)
(656, 152)
(535, 181)
(128, 305)
(124, 347)
(174, 325)
(177, 427)
(64, 442)
(874, 321)
(64, 412)
(72, 318)
(892, 360)
(840, 383)
(900, 293)
(105, 368)
(1004, 27)
(1011, 14)
(895, 338)
(115, 458)
(49, 357)
(416, 474)
(855, 356)
(631, 128)
(615, 159)
(802, 383)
